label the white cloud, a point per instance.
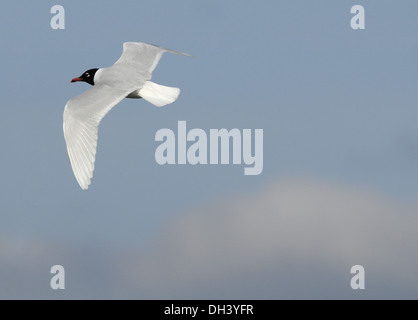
(293, 239)
(288, 230)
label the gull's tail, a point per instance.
(157, 94)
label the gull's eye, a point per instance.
(87, 75)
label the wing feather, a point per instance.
(82, 116)
(145, 56)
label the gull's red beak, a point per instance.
(76, 79)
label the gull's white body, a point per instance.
(127, 78)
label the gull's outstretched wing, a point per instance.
(82, 116)
(144, 56)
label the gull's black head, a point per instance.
(87, 76)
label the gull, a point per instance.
(129, 77)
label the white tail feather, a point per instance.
(157, 94)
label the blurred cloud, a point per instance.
(293, 239)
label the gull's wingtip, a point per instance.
(84, 186)
(154, 45)
(178, 52)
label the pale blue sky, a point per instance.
(335, 105)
